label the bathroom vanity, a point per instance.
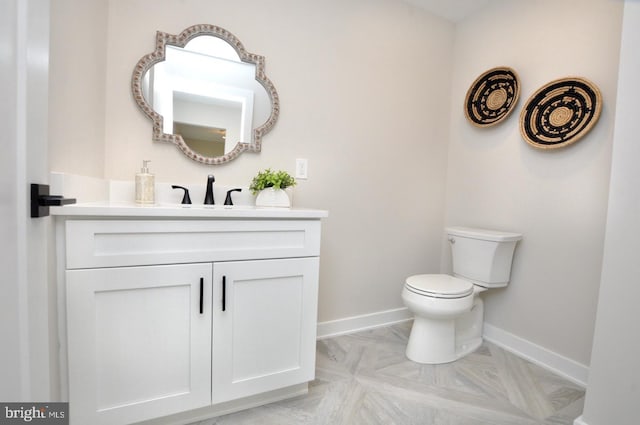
(184, 313)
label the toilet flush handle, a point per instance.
(452, 240)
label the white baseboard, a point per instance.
(563, 366)
(359, 323)
(579, 421)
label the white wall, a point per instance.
(364, 90)
(76, 98)
(614, 378)
(557, 199)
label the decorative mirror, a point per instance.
(206, 94)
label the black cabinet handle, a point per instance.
(224, 293)
(201, 295)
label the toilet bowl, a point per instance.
(448, 311)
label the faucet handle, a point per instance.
(186, 200)
(228, 200)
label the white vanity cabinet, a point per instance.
(165, 316)
(138, 344)
(264, 320)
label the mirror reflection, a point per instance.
(206, 94)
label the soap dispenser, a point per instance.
(145, 185)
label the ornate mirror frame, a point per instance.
(158, 55)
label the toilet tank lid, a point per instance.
(483, 234)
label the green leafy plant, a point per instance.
(268, 178)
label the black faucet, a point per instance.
(208, 198)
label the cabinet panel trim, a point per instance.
(105, 243)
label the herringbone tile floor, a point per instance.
(365, 379)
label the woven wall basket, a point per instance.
(560, 113)
(492, 97)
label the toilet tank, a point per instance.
(482, 256)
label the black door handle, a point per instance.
(41, 200)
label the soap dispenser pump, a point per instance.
(145, 185)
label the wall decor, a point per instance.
(206, 94)
(492, 96)
(560, 113)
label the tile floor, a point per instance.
(365, 379)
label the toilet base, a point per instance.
(421, 347)
(419, 351)
(443, 341)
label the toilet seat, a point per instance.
(439, 286)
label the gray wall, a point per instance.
(364, 92)
(371, 93)
(556, 198)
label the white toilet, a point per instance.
(448, 311)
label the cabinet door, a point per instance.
(139, 342)
(264, 325)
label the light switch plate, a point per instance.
(301, 168)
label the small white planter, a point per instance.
(271, 197)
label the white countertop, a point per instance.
(107, 209)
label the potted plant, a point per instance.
(269, 185)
